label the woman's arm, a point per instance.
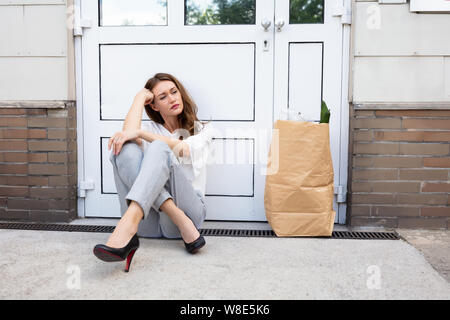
(179, 147)
(134, 117)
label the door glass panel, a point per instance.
(306, 11)
(133, 12)
(219, 12)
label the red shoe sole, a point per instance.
(106, 256)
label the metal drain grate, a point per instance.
(357, 235)
(57, 227)
(365, 235)
(237, 233)
(362, 235)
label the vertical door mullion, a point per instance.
(175, 14)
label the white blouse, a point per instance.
(194, 165)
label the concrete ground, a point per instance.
(61, 265)
(434, 245)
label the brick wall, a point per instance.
(400, 168)
(38, 164)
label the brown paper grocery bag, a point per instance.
(298, 197)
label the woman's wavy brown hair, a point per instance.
(187, 118)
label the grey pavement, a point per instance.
(433, 244)
(61, 265)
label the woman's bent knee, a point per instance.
(131, 153)
(128, 162)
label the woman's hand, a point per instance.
(119, 138)
(145, 95)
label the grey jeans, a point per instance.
(150, 178)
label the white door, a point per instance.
(237, 73)
(308, 65)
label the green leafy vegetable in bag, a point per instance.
(324, 113)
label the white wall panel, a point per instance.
(400, 79)
(37, 31)
(33, 50)
(11, 31)
(399, 56)
(31, 2)
(45, 30)
(33, 78)
(447, 78)
(394, 30)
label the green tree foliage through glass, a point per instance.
(306, 11)
(220, 12)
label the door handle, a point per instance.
(266, 24)
(279, 24)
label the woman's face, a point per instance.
(167, 95)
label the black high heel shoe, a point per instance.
(109, 254)
(194, 246)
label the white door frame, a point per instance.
(345, 112)
(79, 107)
(343, 173)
